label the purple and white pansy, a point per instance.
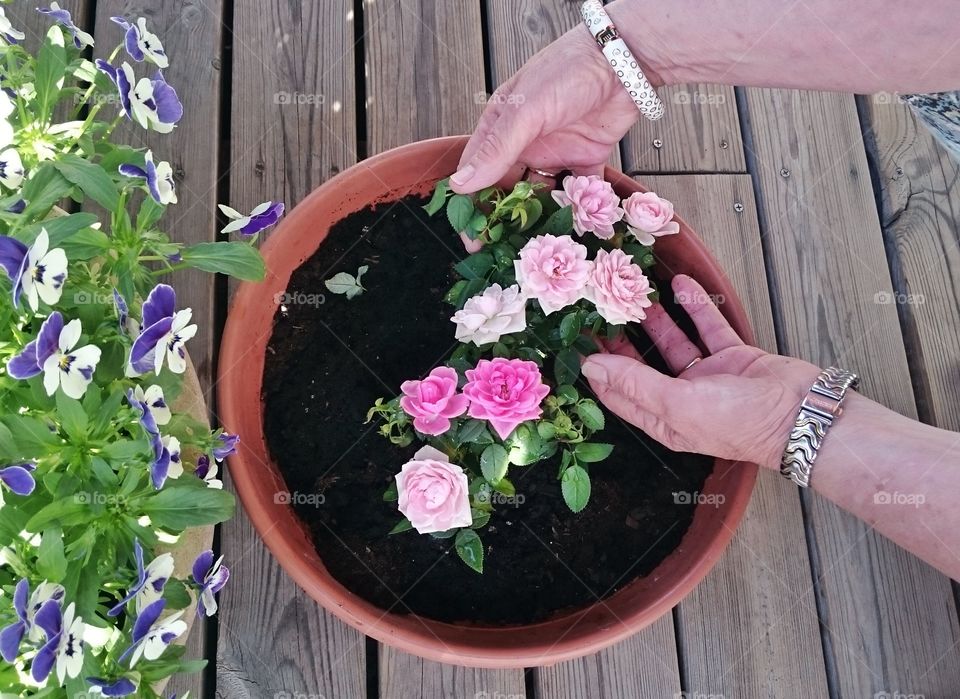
(35, 270)
(121, 687)
(164, 334)
(158, 177)
(11, 169)
(153, 398)
(18, 478)
(81, 39)
(64, 644)
(210, 576)
(152, 103)
(26, 607)
(159, 469)
(151, 578)
(152, 636)
(54, 353)
(207, 472)
(7, 32)
(225, 445)
(141, 43)
(261, 218)
(172, 446)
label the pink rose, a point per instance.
(487, 316)
(649, 216)
(432, 402)
(553, 270)
(433, 492)
(505, 392)
(618, 288)
(595, 204)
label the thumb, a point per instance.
(500, 147)
(629, 388)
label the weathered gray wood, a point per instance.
(920, 213)
(699, 132)
(23, 15)
(405, 676)
(741, 628)
(889, 620)
(292, 126)
(644, 665)
(517, 30)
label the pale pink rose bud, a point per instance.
(553, 270)
(433, 493)
(432, 402)
(486, 317)
(649, 216)
(505, 393)
(596, 207)
(618, 288)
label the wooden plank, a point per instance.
(699, 132)
(292, 125)
(644, 665)
(517, 30)
(429, 73)
(889, 621)
(405, 676)
(24, 16)
(919, 195)
(741, 627)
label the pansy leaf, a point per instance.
(470, 549)
(590, 414)
(150, 212)
(51, 562)
(560, 222)
(51, 67)
(72, 417)
(44, 189)
(493, 463)
(439, 197)
(234, 258)
(460, 211)
(575, 485)
(592, 452)
(180, 507)
(91, 178)
(85, 244)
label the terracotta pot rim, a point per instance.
(257, 478)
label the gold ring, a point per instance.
(542, 173)
(691, 364)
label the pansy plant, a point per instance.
(556, 274)
(98, 469)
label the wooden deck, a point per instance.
(825, 209)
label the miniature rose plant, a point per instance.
(557, 273)
(99, 472)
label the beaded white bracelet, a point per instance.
(621, 59)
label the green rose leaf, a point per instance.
(493, 463)
(592, 452)
(560, 222)
(567, 367)
(470, 549)
(575, 485)
(439, 197)
(570, 328)
(460, 211)
(476, 266)
(402, 526)
(590, 414)
(234, 258)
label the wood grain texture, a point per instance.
(644, 665)
(919, 195)
(405, 676)
(425, 74)
(889, 621)
(699, 132)
(741, 628)
(518, 30)
(292, 126)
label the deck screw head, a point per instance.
(738, 206)
(784, 172)
(724, 144)
(657, 143)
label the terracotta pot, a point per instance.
(396, 173)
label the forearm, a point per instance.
(857, 46)
(899, 476)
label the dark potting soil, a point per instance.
(327, 363)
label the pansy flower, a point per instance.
(227, 445)
(164, 335)
(210, 576)
(9, 34)
(64, 645)
(158, 176)
(128, 325)
(12, 635)
(151, 103)
(36, 271)
(11, 169)
(122, 687)
(7, 108)
(207, 472)
(29, 362)
(153, 398)
(54, 353)
(148, 587)
(141, 43)
(261, 218)
(172, 446)
(151, 636)
(160, 467)
(18, 478)
(80, 38)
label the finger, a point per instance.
(513, 175)
(673, 344)
(538, 178)
(631, 389)
(471, 246)
(714, 329)
(586, 171)
(499, 149)
(621, 345)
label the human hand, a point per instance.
(738, 403)
(573, 113)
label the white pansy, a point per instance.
(153, 397)
(153, 644)
(45, 273)
(70, 651)
(68, 368)
(11, 169)
(172, 345)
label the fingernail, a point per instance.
(594, 372)
(463, 175)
